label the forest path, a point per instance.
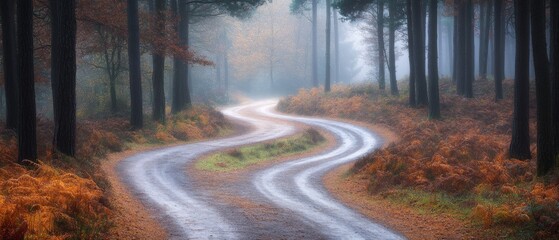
(285, 200)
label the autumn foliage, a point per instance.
(61, 197)
(464, 155)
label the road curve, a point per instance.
(295, 187)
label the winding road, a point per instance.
(292, 201)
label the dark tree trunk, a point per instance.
(484, 38)
(178, 71)
(460, 48)
(314, 43)
(391, 48)
(450, 42)
(380, 44)
(184, 36)
(64, 65)
(520, 143)
(7, 8)
(136, 109)
(419, 53)
(469, 50)
(434, 105)
(328, 46)
(555, 69)
(181, 90)
(456, 46)
(336, 47)
(499, 49)
(27, 135)
(411, 55)
(546, 153)
(56, 30)
(159, 66)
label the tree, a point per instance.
(336, 47)
(27, 135)
(136, 115)
(555, 69)
(411, 54)
(63, 72)
(419, 53)
(484, 26)
(434, 105)
(499, 48)
(520, 143)
(380, 44)
(469, 49)
(546, 153)
(464, 49)
(328, 45)
(393, 23)
(7, 12)
(159, 65)
(187, 10)
(181, 94)
(297, 6)
(314, 43)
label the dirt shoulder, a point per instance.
(352, 190)
(131, 218)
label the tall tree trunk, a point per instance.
(520, 143)
(136, 109)
(158, 78)
(314, 43)
(64, 65)
(440, 48)
(178, 71)
(7, 8)
(499, 49)
(450, 43)
(419, 52)
(484, 38)
(27, 135)
(456, 46)
(380, 43)
(411, 55)
(328, 46)
(184, 36)
(460, 48)
(469, 61)
(391, 47)
(555, 69)
(434, 105)
(336, 47)
(546, 153)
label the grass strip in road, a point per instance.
(242, 157)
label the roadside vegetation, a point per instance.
(458, 165)
(66, 198)
(246, 156)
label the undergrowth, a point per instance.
(242, 157)
(461, 160)
(65, 198)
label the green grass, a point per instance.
(461, 207)
(243, 157)
(439, 202)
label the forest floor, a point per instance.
(449, 178)
(62, 197)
